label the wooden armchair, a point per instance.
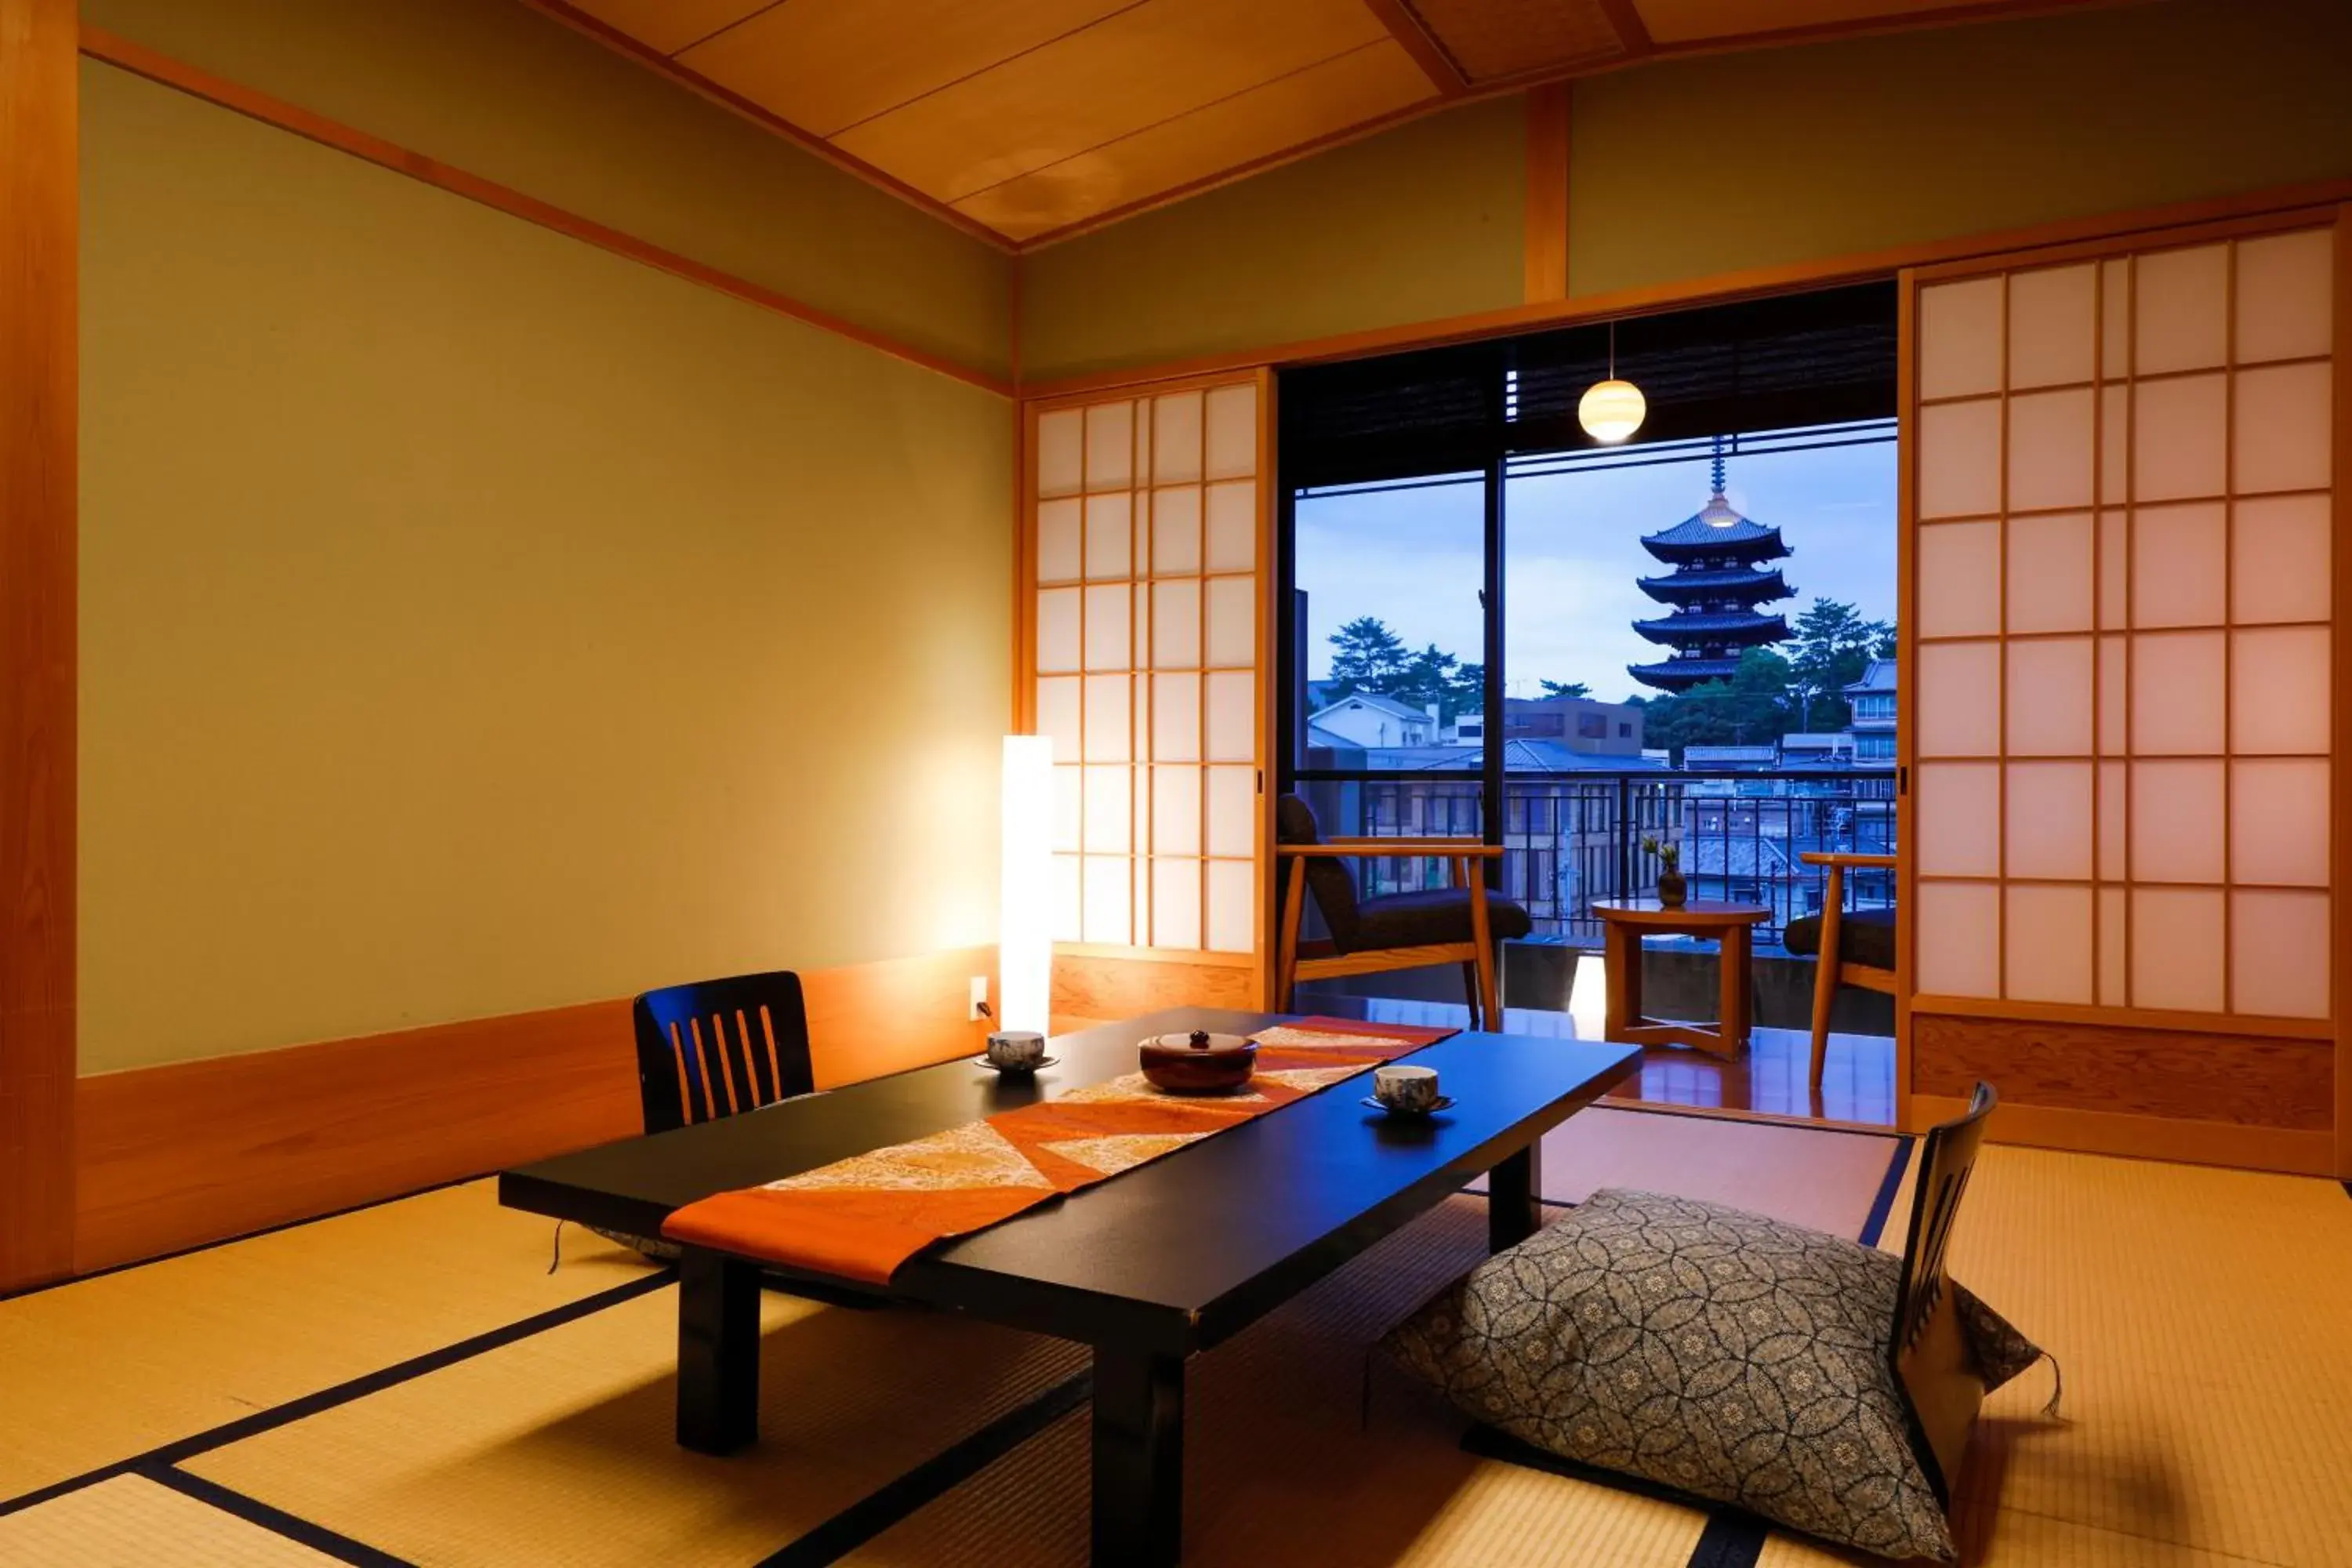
(1851, 947)
(1460, 924)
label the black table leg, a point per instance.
(1515, 1198)
(1138, 1458)
(717, 1351)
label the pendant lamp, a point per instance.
(1611, 410)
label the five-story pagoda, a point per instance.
(1722, 572)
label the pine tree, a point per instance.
(1367, 657)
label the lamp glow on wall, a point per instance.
(1611, 410)
(1025, 938)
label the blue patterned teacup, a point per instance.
(1403, 1087)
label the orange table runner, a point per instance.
(861, 1217)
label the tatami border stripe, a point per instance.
(1883, 1203)
(309, 1405)
(1731, 1539)
(317, 1537)
(899, 1499)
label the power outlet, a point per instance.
(978, 1009)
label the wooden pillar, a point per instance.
(38, 195)
(1547, 207)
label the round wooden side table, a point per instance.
(1625, 921)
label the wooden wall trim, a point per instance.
(177, 1155)
(1548, 205)
(1096, 990)
(1723, 288)
(2145, 1137)
(140, 60)
(2248, 1080)
(39, 196)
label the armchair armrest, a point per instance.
(1474, 848)
(1827, 857)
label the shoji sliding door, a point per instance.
(2121, 673)
(1146, 564)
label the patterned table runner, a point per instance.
(861, 1217)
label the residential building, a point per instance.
(1369, 718)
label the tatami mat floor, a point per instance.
(408, 1384)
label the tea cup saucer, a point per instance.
(1021, 1072)
(1443, 1102)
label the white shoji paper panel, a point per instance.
(2049, 827)
(1108, 914)
(1109, 809)
(1960, 699)
(2180, 564)
(1232, 891)
(1176, 624)
(1233, 528)
(2115, 695)
(1066, 926)
(1109, 644)
(2286, 285)
(2050, 572)
(2047, 936)
(1960, 338)
(1057, 539)
(1176, 811)
(2178, 948)
(2280, 559)
(2279, 830)
(1176, 903)
(2177, 694)
(2115, 975)
(1962, 560)
(1960, 459)
(1110, 445)
(2114, 529)
(1233, 717)
(1960, 819)
(1057, 714)
(1959, 938)
(1108, 739)
(1233, 432)
(2284, 429)
(1232, 803)
(2115, 442)
(1061, 452)
(1176, 437)
(1176, 530)
(1176, 718)
(2050, 712)
(2180, 445)
(2115, 820)
(2182, 320)
(2052, 452)
(1057, 630)
(2177, 821)
(2279, 688)
(2115, 317)
(1069, 783)
(1232, 622)
(2279, 958)
(1110, 537)
(2053, 317)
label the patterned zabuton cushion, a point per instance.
(1721, 1354)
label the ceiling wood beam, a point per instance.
(1427, 53)
(1546, 203)
(1625, 20)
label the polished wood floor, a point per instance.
(1766, 1079)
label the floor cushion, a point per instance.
(1722, 1354)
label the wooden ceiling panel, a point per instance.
(827, 65)
(668, 26)
(1700, 21)
(1153, 62)
(1291, 113)
(1493, 40)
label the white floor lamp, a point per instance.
(1024, 951)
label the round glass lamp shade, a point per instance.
(1611, 410)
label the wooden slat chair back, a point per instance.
(717, 1047)
(1926, 1347)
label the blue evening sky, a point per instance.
(1412, 557)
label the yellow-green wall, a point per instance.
(498, 89)
(474, 621)
(1686, 169)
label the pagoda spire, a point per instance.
(1718, 468)
(1722, 574)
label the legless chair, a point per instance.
(1851, 947)
(1928, 1349)
(1455, 925)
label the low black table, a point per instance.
(1147, 1267)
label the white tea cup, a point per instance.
(1405, 1088)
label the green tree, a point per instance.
(1751, 708)
(1427, 677)
(1566, 689)
(1466, 691)
(1366, 657)
(1832, 645)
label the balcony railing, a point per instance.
(1569, 838)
